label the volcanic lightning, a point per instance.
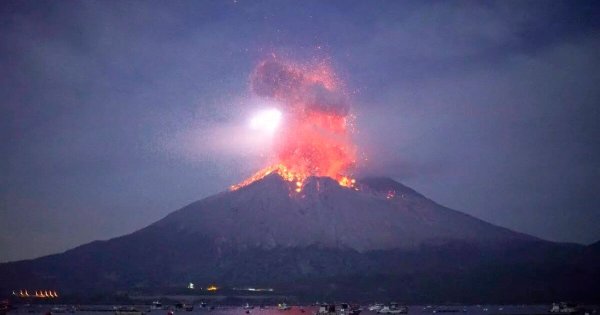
(315, 138)
(267, 120)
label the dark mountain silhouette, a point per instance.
(380, 240)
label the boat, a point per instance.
(326, 309)
(283, 307)
(347, 309)
(156, 305)
(185, 307)
(564, 308)
(393, 308)
(247, 306)
(375, 307)
(355, 309)
(128, 310)
(344, 309)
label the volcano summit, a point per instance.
(376, 240)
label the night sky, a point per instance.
(115, 113)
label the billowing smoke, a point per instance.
(313, 139)
(300, 88)
(319, 98)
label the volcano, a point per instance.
(379, 214)
(378, 239)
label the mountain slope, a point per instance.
(393, 241)
(269, 214)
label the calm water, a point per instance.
(272, 310)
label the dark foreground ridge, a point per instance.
(380, 241)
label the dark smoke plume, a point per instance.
(298, 88)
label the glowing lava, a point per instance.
(315, 138)
(289, 176)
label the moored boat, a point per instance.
(565, 308)
(283, 307)
(393, 308)
(348, 309)
(355, 309)
(326, 309)
(156, 305)
(375, 307)
(185, 307)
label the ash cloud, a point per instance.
(276, 80)
(318, 98)
(295, 88)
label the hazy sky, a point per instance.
(115, 113)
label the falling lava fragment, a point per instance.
(315, 138)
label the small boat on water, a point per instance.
(283, 307)
(565, 308)
(393, 308)
(326, 309)
(156, 305)
(185, 307)
(355, 309)
(349, 309)
(247, 306)
(375, 307)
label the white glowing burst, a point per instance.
(266, 120)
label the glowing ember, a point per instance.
(315, 138)
(280, 169)
(390, 194)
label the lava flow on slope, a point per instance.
(314, 139)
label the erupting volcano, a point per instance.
(314, 139)
(304, 227)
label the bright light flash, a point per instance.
(266, 120)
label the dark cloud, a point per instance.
(277, 80)
(319, 98)
(289, 84)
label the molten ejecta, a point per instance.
(315, 139)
